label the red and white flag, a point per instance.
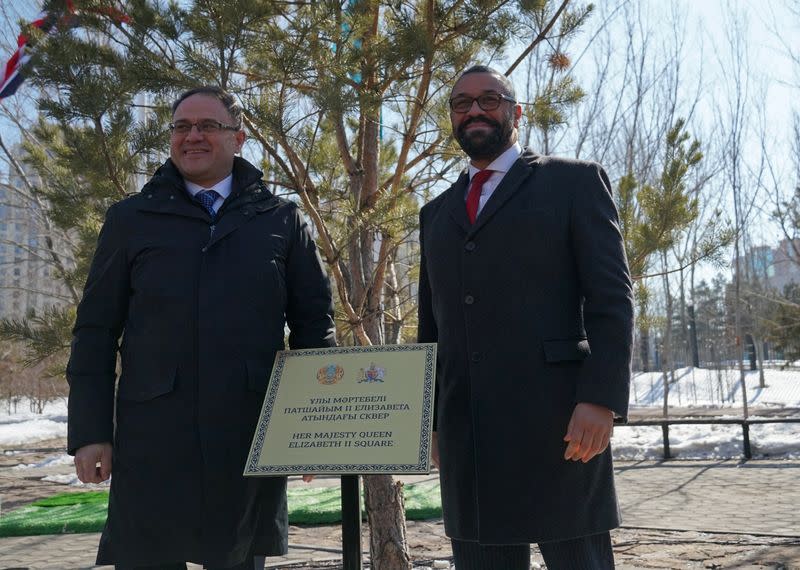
(48, 23)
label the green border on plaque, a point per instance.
(347, 410)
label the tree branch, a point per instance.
(539, 38)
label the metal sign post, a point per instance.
(351, 522)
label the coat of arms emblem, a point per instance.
(330, 374)
(372, 374)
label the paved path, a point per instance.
(757, 497)
(754, 497)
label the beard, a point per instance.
(485, 145)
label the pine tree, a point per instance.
(346, 107)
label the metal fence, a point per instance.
(745, 423)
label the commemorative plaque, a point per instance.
(347, 410)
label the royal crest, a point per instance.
(330, 374)
(371, 374)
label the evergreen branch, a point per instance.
(538, 39)
(307, 166)
(344, 147)
(44, 336)
(460, 29)
(42, 292)
(425, 154)
(112, 171)
(164, 51)
(33, 252)
(54, 256)
(374, 291)
(772, 298)
(326, 242)
(683, 266)
(273, 152)
(417, 108)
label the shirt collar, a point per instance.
(502, 163)
(223, 187)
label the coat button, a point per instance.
(470, 246)
(469, 299)
(475, 357)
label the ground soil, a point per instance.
(634, 548)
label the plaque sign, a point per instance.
(347, 410)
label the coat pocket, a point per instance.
(146, 379)
(257, 375)
(566, 349)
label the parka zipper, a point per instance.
(211, 228)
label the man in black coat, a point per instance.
(525, 286)
(198, 273)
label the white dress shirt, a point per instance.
(223, 188)
(500, 165)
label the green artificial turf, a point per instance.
(86, 511)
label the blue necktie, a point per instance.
(207, 199)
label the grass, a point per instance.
(86, 511)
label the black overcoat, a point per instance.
(201, 307)
(532, 309)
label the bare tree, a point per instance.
(733, 114)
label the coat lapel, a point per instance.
(511, 184)
(456, 203)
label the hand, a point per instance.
(87, 459)
(588, 432)
(435, 450)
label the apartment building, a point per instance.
(28, 281)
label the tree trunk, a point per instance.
(738, 325)
(667, 347)
(383, 497)
(644, 348)
(684, 329)
(394, 321)
(751, 352)
(695, 353)
(386, 516)
(758, 344)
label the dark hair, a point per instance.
(233, 108)
(505, 81)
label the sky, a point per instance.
(770, 79)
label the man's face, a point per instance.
(204, 158)
(484, 135)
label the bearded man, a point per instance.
(525, 286)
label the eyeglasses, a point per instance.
(487, 102)
(206, 126)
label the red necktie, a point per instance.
(474, 195)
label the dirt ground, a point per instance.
(635, 548)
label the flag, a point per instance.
(48, 23)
